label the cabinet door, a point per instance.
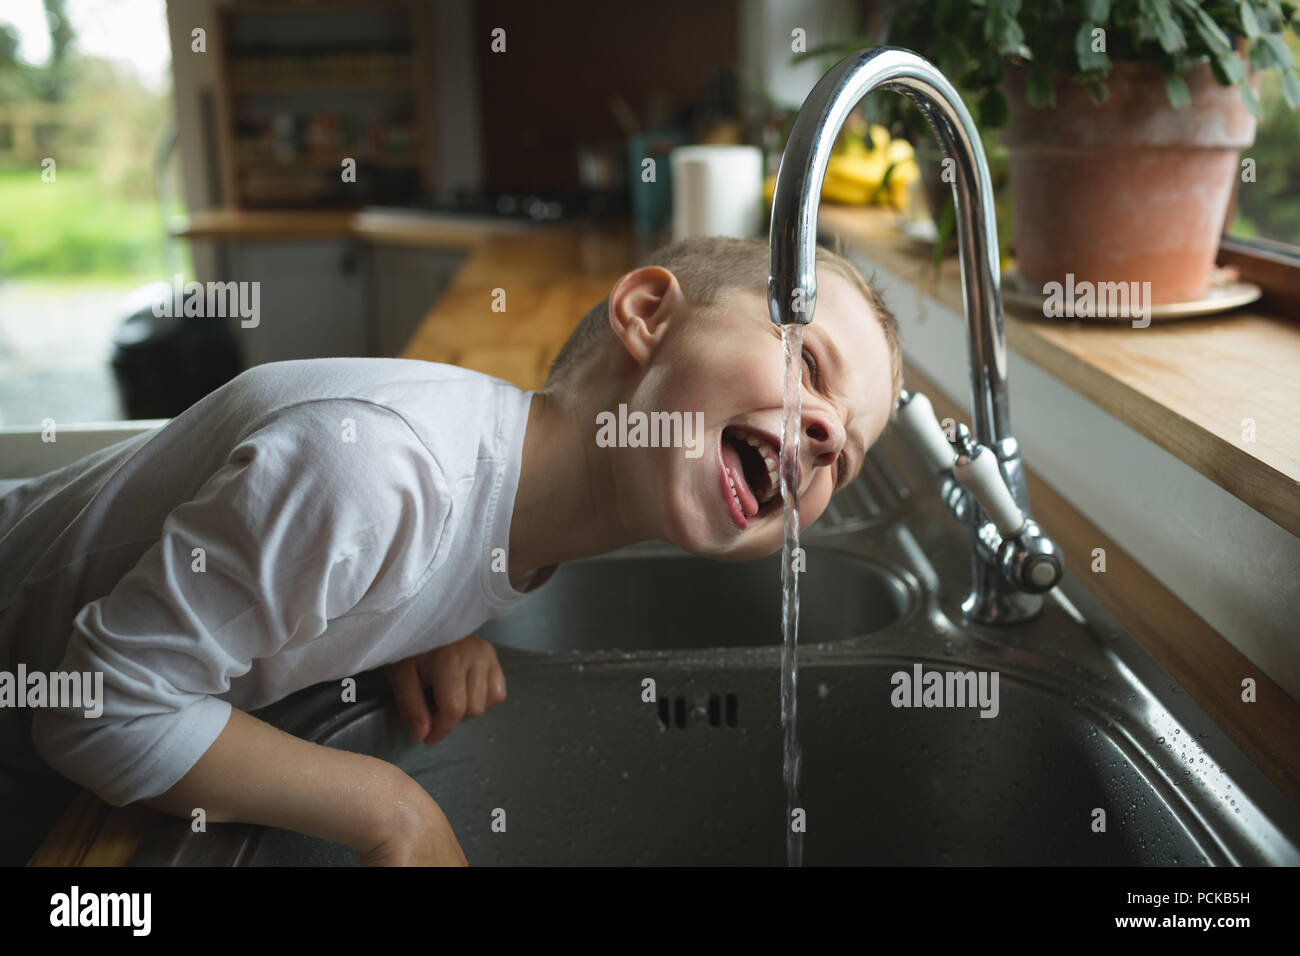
(406, 281)
(312, 299)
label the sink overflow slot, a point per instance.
(674, 710)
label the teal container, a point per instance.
(651, 201)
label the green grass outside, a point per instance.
(72, 229)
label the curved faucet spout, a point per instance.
(792, 284)
(1012, 561)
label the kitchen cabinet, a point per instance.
(312, 298)
(405, 282)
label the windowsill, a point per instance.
(1188, 386)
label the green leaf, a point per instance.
(1096, 10)
(1155, 16)
(1003, 30)
(1276, 49)
(1011, 40)
(1176, 89)
(1248, 97)
(1089, 61)
(1249, 22)
(1038, 88)
(1227, 69)
(1257, 56)
(1291, 88)
(1214, 38)
(1274, 16)
(1098, 91)
(993, 109)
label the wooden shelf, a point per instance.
(303, 52)
(339, 84)
(324, 161)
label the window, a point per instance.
(1263, 238)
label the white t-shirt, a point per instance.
(347, 510)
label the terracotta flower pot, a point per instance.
(1131, 190)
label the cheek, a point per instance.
(813, 504)
(699, 377)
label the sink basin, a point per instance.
(672, 601)
(588, 773)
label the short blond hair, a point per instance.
(709, 268)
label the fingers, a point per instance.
(476, 684)
(496, 687)
(409, 692)
(466, 678)
(450, 700)
(494, 679)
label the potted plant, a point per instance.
(1124, 121)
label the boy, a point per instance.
(312, 520)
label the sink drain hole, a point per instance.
(673, 710)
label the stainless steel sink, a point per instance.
(588, 773)
(660, 598)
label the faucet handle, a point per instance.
(916, 415)
(1029, 560)
(976, 469)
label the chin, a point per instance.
(747, 546)
(750, 551)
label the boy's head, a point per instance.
(690, 332)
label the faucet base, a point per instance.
(1013, 607)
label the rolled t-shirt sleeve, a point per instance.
(320, 508)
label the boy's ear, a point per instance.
(640, 308)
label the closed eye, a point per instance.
(811, 364)
(841, 463)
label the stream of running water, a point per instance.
(791, 420)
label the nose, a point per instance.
(824, 436)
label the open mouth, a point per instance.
(749, 462)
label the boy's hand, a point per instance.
(466, 679)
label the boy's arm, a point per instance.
(294, 531)
(256, 773)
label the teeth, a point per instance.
(769, 455)
(770, 461)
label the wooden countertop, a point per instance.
(1186, 385)
(395, 226)
(549, 280)
(552, 275)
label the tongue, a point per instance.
(731, 459)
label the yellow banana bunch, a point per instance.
(856, 171)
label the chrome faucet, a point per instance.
(1013, 562)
